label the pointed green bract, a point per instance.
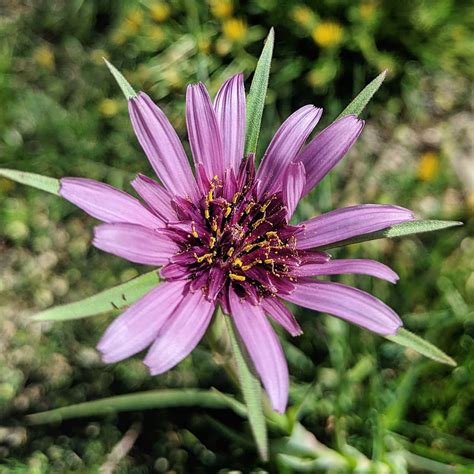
(252, 392)
(418, 344)
(398, 230)
(113, 298)
(363, 98)
(127, 89)
(257, 94)
(45, 183)
(137, 401)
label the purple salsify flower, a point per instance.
(222, 235)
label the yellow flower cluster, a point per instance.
(234, 29)
(428, 166)
(328, 34)
(43, 56)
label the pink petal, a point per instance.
(181, 333)
(263, 348)
(282, 315)
(342, 266)
(348, 222)
(135, 243)
(203, 131)
(293, 185)
(284, 147)
(106, 203)
(229, 106)
(162, 146)
(347, 303)
(138, 326)
(328, 148)
(155, 196)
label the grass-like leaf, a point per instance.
(398, 230)
(418, 344)
(136, 402)
(45, 183)
(363, 98)
(257, 94)
(113, 298)
(127, 89)
(252, 392)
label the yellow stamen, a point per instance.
(272, 234)
(268, 261)
(265, 206)
(214, 225)
(237, 262)
(206, 214)
(194, 233)
(212, 242)
(228, 211)
(248, 207)
(206, 256)
(230, 251)
(257, 223)
(233, 276)
(236, 197)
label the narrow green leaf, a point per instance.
(412, 341)
(399, 230)
(134, 401)
(113, 298)
(127, 89)
(252, 392)
(257, 94)
(363, 98)
(45, 183)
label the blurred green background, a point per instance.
(382, 408)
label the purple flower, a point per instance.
(222, 235)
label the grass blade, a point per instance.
(399, 230)
(252, 392)
(257, 94)
(124, 85)
(45, 183)
(134, 402)
(113, 298)
(418, 344)
(363, 98)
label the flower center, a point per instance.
(234, 237)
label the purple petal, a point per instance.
(338, 267)
(293, 185)
(138, 326)
(328, 148)
(155, 196)
(135, 243)
(106, 203)
(264, 349)
(203, 131)
(162, 146)
(348, 222)
(347, 303)
(181, 333)
(282, 315)
(284, 147)
(229, 106)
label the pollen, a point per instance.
(237, 262)
(212, 242)
(234, 276)
(230, 251)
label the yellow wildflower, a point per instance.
(327, 34)
(108, 107)
(303, 15)
(428, 166)
(133, 22)
(156, 34)
(159, 11)
(44, 56)
(234, 29)
(221, 8)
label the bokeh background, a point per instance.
(382, 408)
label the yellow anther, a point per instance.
(265, 206)
(234, 276)
(230, 251)
(194, 233)
(212, 242)
(214, 225)
(210, 195)
(268, 261)
(237, 262)
(236, 197)
(248, 207)
(258, 222)
(228, 210)
(247, 267)
(272, 234)
(249, 247)
(206, 256)
(206, 214)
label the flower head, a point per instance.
(222, 235)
